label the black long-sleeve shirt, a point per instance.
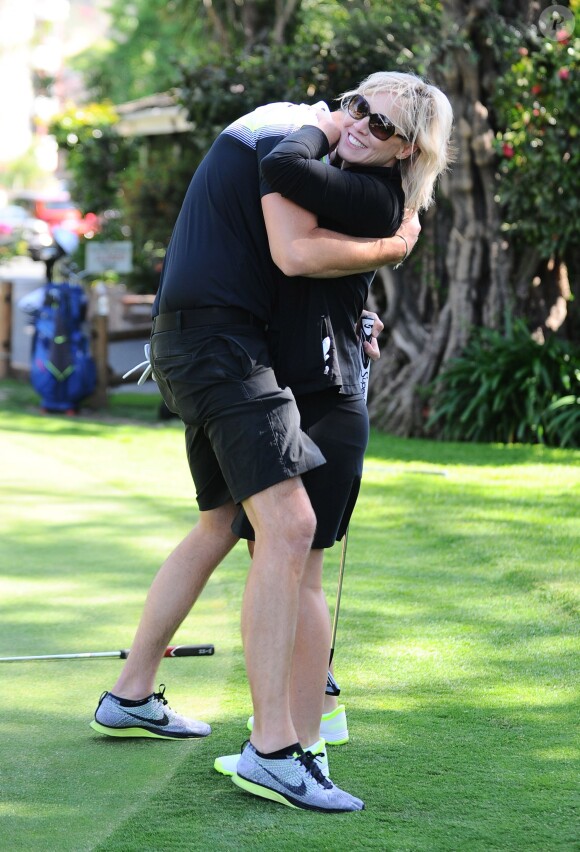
(362, 202)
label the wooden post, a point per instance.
(99, 399)
(5, 327)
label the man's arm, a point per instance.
(299, 247)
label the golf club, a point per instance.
(170, 651)
(332, 687)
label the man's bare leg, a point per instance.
(176, 587)
(330, 702)
(284, 524)
(310, 661)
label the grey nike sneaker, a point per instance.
(150, 717)
(228, 763)
(295, 781)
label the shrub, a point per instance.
(563, 421)
(537, 103)
(510, 389)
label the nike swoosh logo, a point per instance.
(164, 720)
(299, 790)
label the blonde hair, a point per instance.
(424, 116)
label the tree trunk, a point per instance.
(250, 22)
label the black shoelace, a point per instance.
(160, 696)
(308, 760)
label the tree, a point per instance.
(470, 271)
(149, 39)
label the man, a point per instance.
(244, 445)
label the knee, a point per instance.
(283, 517)
(309, 524)
(299, 528)
(292, 531)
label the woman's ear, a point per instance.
(406, 151)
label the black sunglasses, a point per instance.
(379, 125)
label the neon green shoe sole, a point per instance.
(264, 792)
(131, 732)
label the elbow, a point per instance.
(292, 262)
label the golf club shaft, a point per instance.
(366, 327)
(170, 651)
(338, 593)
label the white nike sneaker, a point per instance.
(333, 727)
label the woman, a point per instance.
(389, 144)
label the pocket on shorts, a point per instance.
(218, 358)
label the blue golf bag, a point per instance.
(62, 369)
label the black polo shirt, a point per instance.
(218, 253)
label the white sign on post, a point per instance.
(109, 256)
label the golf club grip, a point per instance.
(180, 651)
(189, 651)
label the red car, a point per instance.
(57, 210)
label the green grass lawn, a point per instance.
(458, 647)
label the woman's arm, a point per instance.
(358, 203)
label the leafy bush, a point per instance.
(96, 154)
(537, 106)
(510, 389)
(8, 251)
(152, 193)
(563, 421)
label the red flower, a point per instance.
(563, 36)
(564, 73)
(523, 51)
(507, 150)
(535, 90)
